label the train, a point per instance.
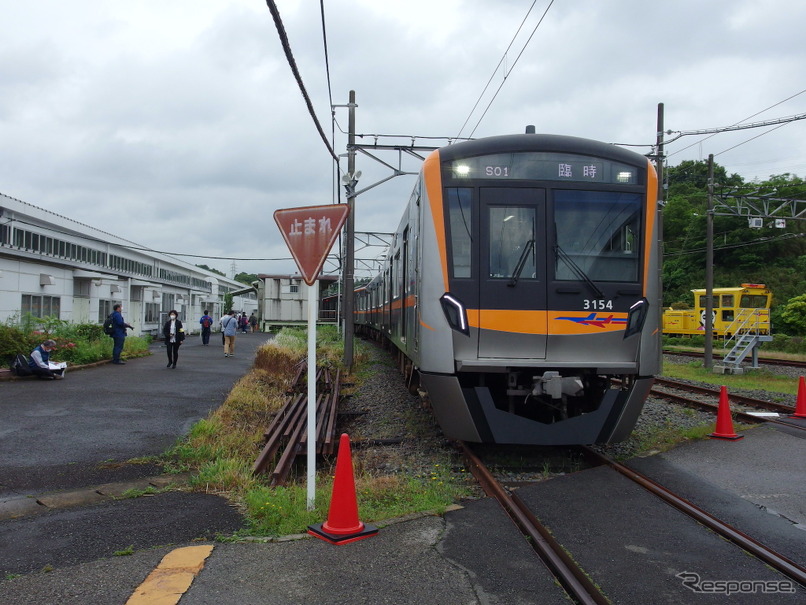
(522, 285)
(736, 310)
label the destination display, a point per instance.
(542, 166)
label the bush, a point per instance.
(684, 341)
(787, 344)
(77, 344)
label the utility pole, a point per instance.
(660, 204)
(708, 351)
(350, 181)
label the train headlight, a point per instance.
(455, 313)
(636, 317)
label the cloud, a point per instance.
(179, 125)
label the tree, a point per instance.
(794, 315)
(216, 271)
(227, 302)
(246, 278)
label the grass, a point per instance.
(137, 493)
(760, 379)
(221, 449)
(129, 550)
(662, 438)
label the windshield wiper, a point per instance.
(516, 274)
(578, 271)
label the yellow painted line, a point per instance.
(172, 577)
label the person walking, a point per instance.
(253, 322)
(243, 322)
(39, 362)
(206, 325)
(230, 326)
(174, 334)
(119, 326)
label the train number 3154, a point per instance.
(597, 305)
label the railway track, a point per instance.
(790, 363)
(288, 430)
(568, 573)
(741, 405)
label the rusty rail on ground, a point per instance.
(288, 430)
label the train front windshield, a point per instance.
(534, 216)
(597, 234)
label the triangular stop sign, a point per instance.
(309, 232)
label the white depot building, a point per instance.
(51, 265)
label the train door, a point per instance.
(512, 293)
(404, 293)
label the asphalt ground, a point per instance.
(65, 447)
(632, 544)
(58, 434)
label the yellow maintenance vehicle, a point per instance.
(741, 310)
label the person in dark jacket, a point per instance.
(39, 361)
(119, 333)
(174, 334)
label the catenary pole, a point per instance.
(660, 204)
(349, 264)
(708, 350)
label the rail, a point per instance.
(784, 565)
(568, 573)
(287, 430)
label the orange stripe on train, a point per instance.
(546, 322)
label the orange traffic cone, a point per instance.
(724, 422)
(342, 525)
(800, 406)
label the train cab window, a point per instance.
(460, 223)
(753, 301)
(512, 239)
(727, 300)
(598, 232)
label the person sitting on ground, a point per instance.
(39, 361)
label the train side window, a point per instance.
(512, 235)
(460, 224)
(704, 302)
(727, 300)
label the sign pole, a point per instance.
(313, 295)
(309, 232)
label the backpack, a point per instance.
(205, 323)
(20, 367)
(109, 326)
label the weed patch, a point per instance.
(221, 449)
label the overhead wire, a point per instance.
(132, 245)
(763, 240)
(737, 123)
(506, 75)
(495, 71)
(751, 139)
(278, 22)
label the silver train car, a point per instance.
(523, 284)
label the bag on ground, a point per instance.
(20, 367)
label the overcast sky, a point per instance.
(177, 124)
